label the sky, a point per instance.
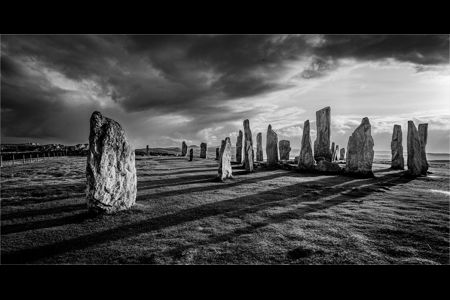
(164, 89)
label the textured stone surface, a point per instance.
(333, 149)
(306, 159)
(423, 136)
(322, 148)
(397, 161)
(285, 149)
(203, 150)
(183, 149)
(248, 147)
(360, 150)
(191, 154)
(239, 147)
(259, 149)
(225, 170)
(326, 166)
(271, 146)
(342, 154)
(110, 170)
(414, 149)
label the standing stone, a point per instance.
(414, 149)
(336, 152)
(259, 150)
(423, 136)
(322, 142)
(285, 149)
(217, 153)
(342, 154)
(110, 170)
(306, 160)
(239, 148)
(191, 154)
(148, 151)
(332, 151)
(360, 150)
(248, 147)
(271, 146)
(225, 170)
(398, 161)
(203, 150)
(183, 149)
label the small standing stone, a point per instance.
(423, 136)
(397, 161)
(414, 149)
(191, 154)
(217, 153)
(342, 154)
(336, 153)
(259, 149)
(322, 148)
(183, 149)
(225, 170)
(271, 146)
(333, 149)
(248, 147)
(239, 148)
(203, 150)
(148, 151)
(360, 150)
(306, 159)
(285, 149)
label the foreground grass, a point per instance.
(184, 216)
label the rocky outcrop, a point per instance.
(259, 149)
(271, 147)
(110, 170)
(322, 143)
(248, 147)
(285, 149)
(239, 148)
(333, 150)
(191, 154)
(423, 136)
(203, 150)
(183, 149)
(306, 159)
(360, 151)
(225, 170)
(397, 161)
(414, 149)
(217, 153)
(342, 154)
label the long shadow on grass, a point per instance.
(40, 212)
(240, 206)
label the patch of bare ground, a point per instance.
(184, 216)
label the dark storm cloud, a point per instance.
(188, 75)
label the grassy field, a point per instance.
(184, 216)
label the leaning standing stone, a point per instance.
(414, 149)
(360, 150)
(248, 147)
(423, 136)
(397, 161)
(285, 149)
(110, 171)
(342, 154)
(239, 148)
(322, 143)
(183, 149)
(191, 154)
(225, 170)
(271, 146)
(203, 150)
(306, 160)
(259, 150)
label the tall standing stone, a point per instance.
(322, 149)
(248, 147)
(423, 136)
(360, 150)
(203, 150)
(342, 154)
(239, 148)
(336, 153)
(285, 149)
(397, 161)
(414, 149)
(271, 146)
(332, 151)
(183, 149)
(217, 153)
(225, 170)
(259, 149)
(110, 170)
(306, 159)
(191, 154)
